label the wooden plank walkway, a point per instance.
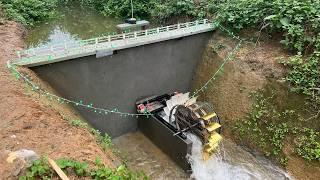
(107, 44)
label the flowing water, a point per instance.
(232, 162)
(74, 23)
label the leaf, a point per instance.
(284, 21)
(270, 17)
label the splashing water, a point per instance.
(231, 162)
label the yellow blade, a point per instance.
(214, 138)
(210, 148)
(213, 127)
(205, 156)
(209, 116)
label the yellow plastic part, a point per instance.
(214, 138)
(209, 116)
(205, 156)
(213, 127)
(210, 148)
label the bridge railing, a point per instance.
(65, 48)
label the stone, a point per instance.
(28, 156)
(20, 160)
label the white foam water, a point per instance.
(231, 162)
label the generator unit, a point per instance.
(171, 116)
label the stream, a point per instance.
(232, 161)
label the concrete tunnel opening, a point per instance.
(119, 79)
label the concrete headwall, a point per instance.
(117, 81)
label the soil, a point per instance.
(254, 65)
(247, 72)
(29, 121)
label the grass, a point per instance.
(273, 124)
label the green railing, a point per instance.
(48, 53)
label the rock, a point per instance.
(28, 156)
(20, 160)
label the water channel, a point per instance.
(232, 162)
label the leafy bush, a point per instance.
(121, 172)
(80, 168)
(241, 14)
(29, 12)
(308, 145)
(40, 169)
(305, 73)
(164, 9)
(157, 9)
(79, 123)
(298, 20)
(122, 8)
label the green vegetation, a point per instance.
(269, 128)
(297, 20)
(40, 169)
(299, 23)
(308, 144)
(79, 123)
(304, 74)
(28, 12)
(104, 140)
(262, 127)
(160, 10)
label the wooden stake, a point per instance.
(54, 165)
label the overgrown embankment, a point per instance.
(279, 68)
(30, 121)
(257, 108)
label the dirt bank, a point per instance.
(28, 121)
(247, 72)
(253, 66)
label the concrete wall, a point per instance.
(119, 80)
